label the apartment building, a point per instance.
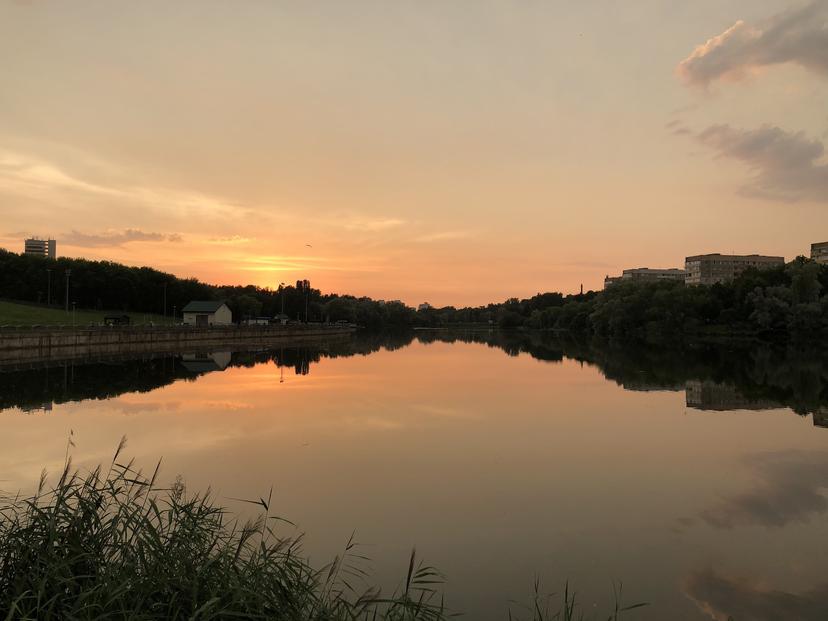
(707, 269)
(649, 273)
(819, 252)
(639, 274)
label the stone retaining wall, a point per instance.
(38, 343)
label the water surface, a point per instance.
(696, 474)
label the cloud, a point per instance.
(114, 238)
(724, 598)
(790, 491)
(34, 177)
(443, 236)
(798, 36)
(372, 225)
(232, 239)
(28, 174)
(788, 165)
(288, 263)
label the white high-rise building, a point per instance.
(40, 247)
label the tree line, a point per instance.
(786, 300)
(106, 285)
(789, 299)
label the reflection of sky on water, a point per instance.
(724, 598)
(495, 467)
(790, 488)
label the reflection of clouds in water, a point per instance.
(791, 490)
(724, 598)
(439, 410)
(372, 422)
(231, 406)
(127, 407)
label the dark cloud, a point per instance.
(787, 165)
(798, 36)
(732, 598)
(112, 238)
(791, 487)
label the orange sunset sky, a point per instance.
(451, 152)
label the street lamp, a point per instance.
(73, 313)
(307, 298)
(68, 273)
(282, 297)
(49, 287)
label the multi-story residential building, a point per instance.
(40, 247)
(710, 395)
(645, 274)
(648, 273)
(707, 269)
(611, 280)
(819, 252)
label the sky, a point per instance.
(451, 152)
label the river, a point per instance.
(695, 475)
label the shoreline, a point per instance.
(33, 346)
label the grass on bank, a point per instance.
(18, 314)
(113, 545)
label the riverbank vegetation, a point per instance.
(114, 545)
(139, 291)
(786, 301)
(779, 302)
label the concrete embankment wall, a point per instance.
(31, 344)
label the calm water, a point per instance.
(697, 476)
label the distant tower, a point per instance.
(40, 247)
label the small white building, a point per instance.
(205, 313)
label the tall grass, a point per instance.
(115, 545)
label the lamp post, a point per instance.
(282, 297)
(73, 313)
(307, 299)
(173, 317)
(68, 274)
(48, 287)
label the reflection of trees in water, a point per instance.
(38, 389)
(732, 375)
(540, 345)
(41, 387)
(714, 376)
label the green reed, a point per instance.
(114, 545)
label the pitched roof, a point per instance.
(202, 306)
